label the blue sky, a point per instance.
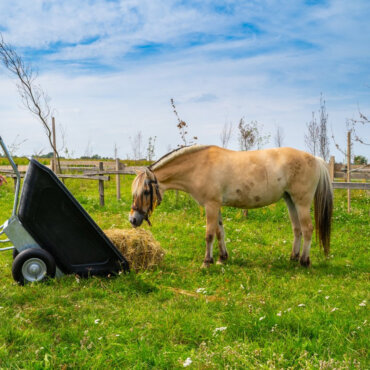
(111, 68)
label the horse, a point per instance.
(217, 177)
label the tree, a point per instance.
(183, 127)
(250, 136)
(150, 150)
(15, 145)
(137, 146)
(360, 159)
(316, 138)
(352, 125)
(279, 137)
(312, 137)
(33, 96)
(323, 131)
(226, 134)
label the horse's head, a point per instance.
(145, 197)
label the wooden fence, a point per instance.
(101, 171)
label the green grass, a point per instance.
(276, 313)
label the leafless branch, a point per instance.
(183, 127)
(279, 137)
(226, 134)
(32, 95)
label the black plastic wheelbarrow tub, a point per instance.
(59, 224)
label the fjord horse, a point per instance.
(217, 177)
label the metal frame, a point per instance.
(13, 228)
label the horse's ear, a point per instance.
(149, 174)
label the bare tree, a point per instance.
(352, 125)
(323, 129)
(88, 150)
(32, 95)
(226, 134)
(312, 137)
(15, 145)
(279, 137)
(250, 136)
(137, 146)
(115, 151)
(183, 127)
(150, 150)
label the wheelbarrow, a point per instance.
(52, 235)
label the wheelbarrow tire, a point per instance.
(33, 265)
(15, 253)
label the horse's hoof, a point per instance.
(294, 257)
(222, 259)
(207, 263)
(305, 262)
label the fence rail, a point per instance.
(101, 171)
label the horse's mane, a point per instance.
(176, 153)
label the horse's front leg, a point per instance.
(212, 210)
(223, 256)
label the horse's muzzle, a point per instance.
(136, 218)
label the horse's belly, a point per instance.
(245, 198)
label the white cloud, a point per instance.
(273, 73)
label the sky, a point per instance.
(111, 67)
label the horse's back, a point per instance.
(252, 179)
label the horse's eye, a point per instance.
(146, 192)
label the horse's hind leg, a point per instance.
(307, 229)
(221, 241)
(212, 228)
(296, 226)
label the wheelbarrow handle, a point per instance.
(15, 169)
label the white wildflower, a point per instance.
(100, 338)
(222, 328)
(327, 297)
(201, 290)
(301, 305)
(279, 313)
(363, 303)
(187, 362)
(334, 309)
(261, 318)
(241, 286)
(97, 321)
(319, 291)
(289, 309)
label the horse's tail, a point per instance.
(323, 206)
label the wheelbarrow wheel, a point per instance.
(33, 265)
(15, 253)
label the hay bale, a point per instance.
(138, 246)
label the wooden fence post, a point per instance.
(332, 168)
(101, 186)
(349, 170)
(118, 179)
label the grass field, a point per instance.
(259, 310)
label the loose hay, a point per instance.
(138, 246)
